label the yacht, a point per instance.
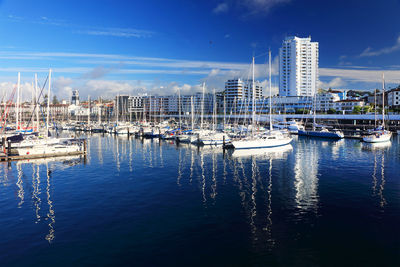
(379, 134)
(323, 132)
(265, 140)
(271, 138)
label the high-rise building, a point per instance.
(298, 67)
(239, 89)
(75, 98)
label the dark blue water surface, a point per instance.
(152, 203)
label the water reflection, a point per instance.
(273, 152)
(36, 190)
(306, 175)
(378, 173)
(337, 145)
(376, 146)
(51, 218)
(20, 186)
(23, 168)
(266, 190)
(255, 189)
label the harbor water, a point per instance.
(148, 202)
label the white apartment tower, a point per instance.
(239, 89)
(298, 67)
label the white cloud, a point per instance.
(361, 75)
(369, 52)
(7, 88)
(334, 83)
(221, 8)
(97, 72)
(265, 86)
(261, 6)
(117, 32)
(89, 30)
(62, 87)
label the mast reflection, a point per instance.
(36, 190)
(306, 176)
(256, 194)
(378, 186)
(37, 201)
(51, 218)
(21, 192)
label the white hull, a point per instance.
(48, 149)
(267, 140)
(215, 139)
(260, 143)
(380, 138)
(272, 152)
(39, 142)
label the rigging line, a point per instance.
(37, 100)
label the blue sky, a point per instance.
(108, 47)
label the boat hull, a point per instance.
(320, 134)
(260, 143)
(377, 139)
(48, 149)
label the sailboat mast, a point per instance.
(383, 100)
(254, 101)
(48, 105)
(150, 108)
(99, 113)
(214, 112)
(37, 103)
(314, 111)
(179, 107)
(192, 111)
(224, 113)
(161, 108)
(117, 108)
(270, 92)
(17, 108)
(89, 110)
(202, 108)
(375, 109)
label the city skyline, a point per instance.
(105, 48)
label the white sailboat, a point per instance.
(214, 138)
(33, 145)
(379, 135)
(271, 138)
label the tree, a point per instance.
(322, 91)
(356, 110)
(55, 100)
(332, 111)
(366, 109)
(302, 111)
(45, 99)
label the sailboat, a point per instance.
(33, 145)
(213, 137)
(379, 134)
(271, 138)
(321, 131)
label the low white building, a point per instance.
(393, 97)
(75, 110)
(348, 105)
(324, 102)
